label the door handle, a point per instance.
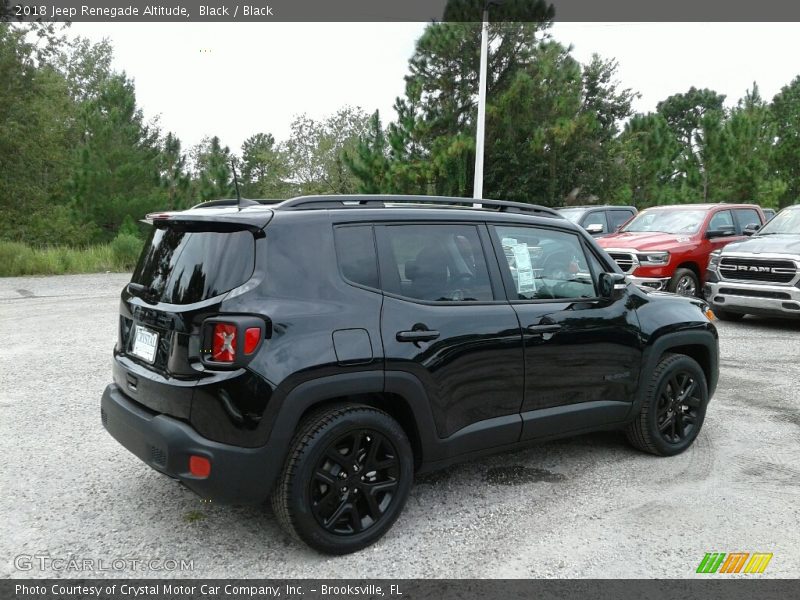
(417, 335)
(548, 328)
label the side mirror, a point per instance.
(718, 233)
(612, 285)
(595, 228)
(751, 228)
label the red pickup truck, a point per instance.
(667, 247)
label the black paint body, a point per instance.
(485, 383)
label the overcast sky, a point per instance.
(237, 79)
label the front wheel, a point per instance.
(673, 409)
(684, 283)
(346, 479)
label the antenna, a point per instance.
(236, 183)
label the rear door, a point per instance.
(582, 353)
(182, 276)
(617, 217)
(445, 320)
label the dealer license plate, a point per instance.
(145, 344)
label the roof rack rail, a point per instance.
(346, 201)
(234, 202)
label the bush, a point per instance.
(20, 259)
(17, 259)
(126, 249)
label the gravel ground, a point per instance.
(584, 507)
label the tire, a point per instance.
(376, 462)
(647, 431)
(724, 315)
(684, 282)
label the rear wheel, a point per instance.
(724, 315)
(346, 479)
(684, 282)
(673, 409)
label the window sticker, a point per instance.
(525, 279)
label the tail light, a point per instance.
(223, 348)
(231, 341)
(252, 336)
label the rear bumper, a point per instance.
(238, 475)
(754, 299)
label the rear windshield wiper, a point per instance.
(142, 291)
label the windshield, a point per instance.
(786, 221)
(685, 221)
(183, 267)
(572, 214)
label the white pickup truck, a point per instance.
(760, 275)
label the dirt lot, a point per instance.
(585, 507)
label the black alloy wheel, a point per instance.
(346, 478)
(673, 407)
(355, 482)
(676, 412)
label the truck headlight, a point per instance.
(653, 258)
(713, 260)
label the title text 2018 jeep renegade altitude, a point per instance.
(325, 349)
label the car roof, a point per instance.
(596, 206)
(705, 206)
(366, 207)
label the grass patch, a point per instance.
(20, 259)
(193, 516)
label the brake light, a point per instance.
(223, 346)
(251, 338)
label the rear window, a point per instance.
(182, 267)
(355, 250)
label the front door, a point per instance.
(582, 353)
(445, 321)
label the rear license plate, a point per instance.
(145, 344)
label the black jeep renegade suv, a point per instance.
(325, 349)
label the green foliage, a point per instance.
(265, 168)
(369, 161)
(129, 227)
(552, 124)
(693, 150)
(214, 175)
(125, 249)
(18, 259)
(786, 158)
(80, 165)
(316, 151)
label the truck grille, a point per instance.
(757, 269)
(755, 293)
(626, 261)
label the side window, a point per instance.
(747, 216)
(546, 264)
(355, 251)
(616, 218)
(596, 218)
(721, 220)
(436, 263)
